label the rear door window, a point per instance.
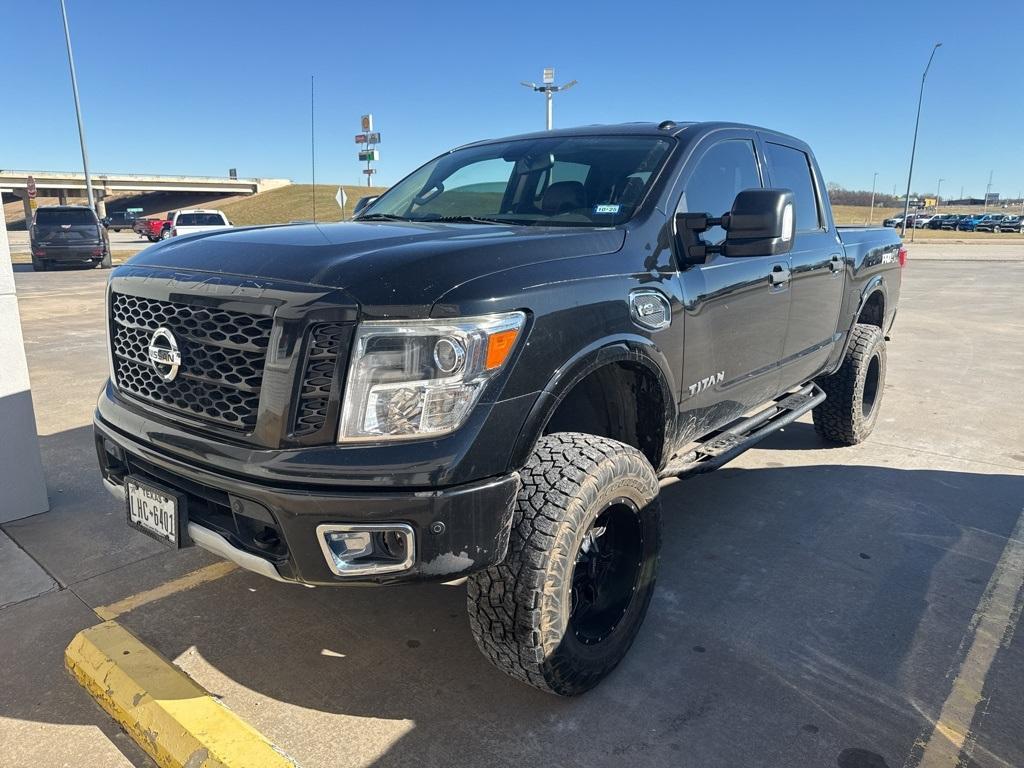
(791, 169)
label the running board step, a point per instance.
(726, 445)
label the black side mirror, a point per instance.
(761, 223)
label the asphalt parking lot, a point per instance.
(816, 606)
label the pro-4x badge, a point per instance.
(705, 383)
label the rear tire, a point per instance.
(854, 392)
(561, 611)
(40, 265)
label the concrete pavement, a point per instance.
(815, 605)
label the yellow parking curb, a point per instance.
(172, 718)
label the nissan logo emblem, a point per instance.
(164, 354)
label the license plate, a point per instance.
(155, 511)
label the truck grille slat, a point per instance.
(223, 354)
(319, 374)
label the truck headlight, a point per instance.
(421, 378)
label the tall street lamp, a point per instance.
(913, 148)
(549, 89)
(78, 108)
(938, 189)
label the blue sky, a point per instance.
(198, 87)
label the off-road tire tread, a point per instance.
(840, 418)
(563, 477)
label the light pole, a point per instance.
(549, 89)
(938, 189)
(913, 148)
(871, 213)
(78, 108)
(988, 189)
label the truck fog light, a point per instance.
(354, 550)
(346, 547)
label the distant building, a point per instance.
(967, 201)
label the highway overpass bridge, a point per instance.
(61, 184)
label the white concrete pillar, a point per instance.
(101, 204)
(22, 486)
(23, 194)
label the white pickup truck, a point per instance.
(193, 220)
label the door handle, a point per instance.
(779, 275)
(835, 263)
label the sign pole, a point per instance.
(369, 138)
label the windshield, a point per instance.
(65, 216)
(199, 220)
(558, 181)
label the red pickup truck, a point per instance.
(154, 229)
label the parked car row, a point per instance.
(960, 222)
(176, 223)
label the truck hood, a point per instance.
(390, 269)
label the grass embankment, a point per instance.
(293, 203)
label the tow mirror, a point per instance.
(761, 223)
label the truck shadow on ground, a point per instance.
(801, 612)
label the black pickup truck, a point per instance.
(487, 373)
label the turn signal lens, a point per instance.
(498, 347)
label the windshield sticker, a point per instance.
(607, 208)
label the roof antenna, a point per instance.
(312, 141)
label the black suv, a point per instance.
(68, 234)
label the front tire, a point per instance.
(854, 392)
(561, 611)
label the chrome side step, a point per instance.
(724, 446)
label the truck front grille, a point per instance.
(319, 375)
(222, 358)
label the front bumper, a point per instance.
(272, 529)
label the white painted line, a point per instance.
(991, 628)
